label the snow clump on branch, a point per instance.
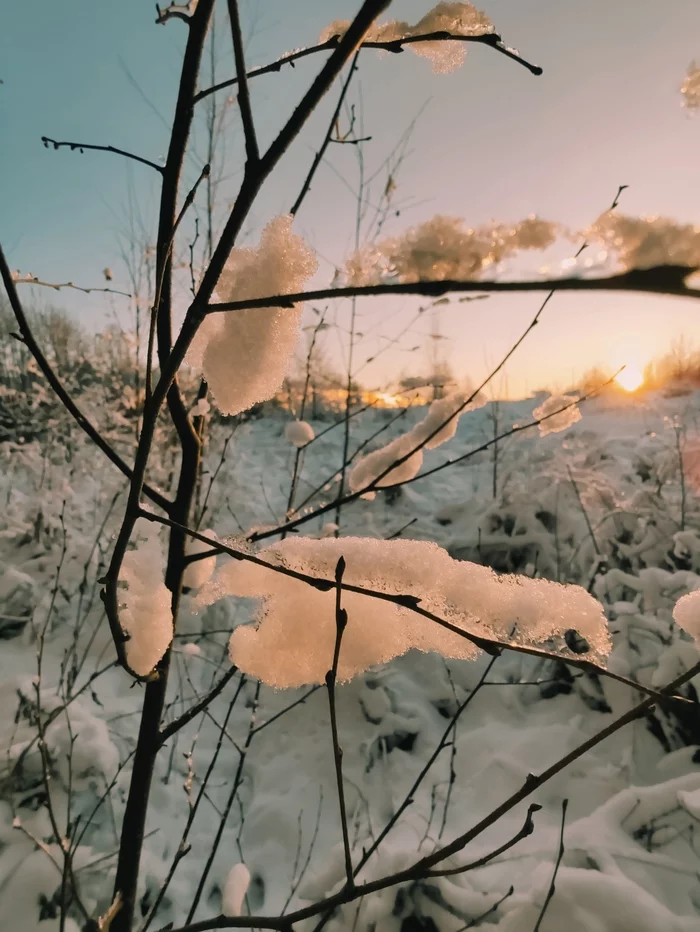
(199, 572)
(644, 242)
(299, 433)
(442, 248)
(145, 610)
(234, 891)
(556, 422)
(442, 419)
(686, 614)
(245, 354)
(690, 88)
(292, 642)
(458, 19)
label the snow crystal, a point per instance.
(235, 889)
(329, 529)
(198, 573)
(686, 614)
(556, 422)
(299, 433)
(292, 642)
(690, 88)
(643, 242)
(446, 412)
(461, 19)
(442, 248)
(145, 613)
(245, 354)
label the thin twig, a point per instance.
(341, 620)
(326, 139)
(82, 146)
(251, 142)
(169, 730)
(57, 286)
(560, 855)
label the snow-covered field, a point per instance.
(603, 504)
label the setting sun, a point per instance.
(631, 378)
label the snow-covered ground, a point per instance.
(601, 504)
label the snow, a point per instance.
(443, 248)
(686, 614)
(292, 642)
(628, 863)
(569, 414)
(644, 242)
(200, 571)
(299, 433)
(235, 889)
(145, 613)
(690, 88)
(245, 354)
(457, 18)
(437, 427)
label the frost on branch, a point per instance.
(690, 88)
(459, 19)
(291, 643)
(443, 248)
(299, 433)
(235, 889)
(556, 422)
(686, 614)
(370, 467)
(245, 354)
(644, 242)
(145, 611)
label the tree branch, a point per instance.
(527, 828)
(660, 279)
(82, 146)
(251, 142)
(490, 646)
(341, 620)
(57, 286)
(198, 707)
(491, 39)
(327, 138)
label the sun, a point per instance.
(631, 378)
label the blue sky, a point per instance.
(492, 142)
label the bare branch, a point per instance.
(341, 620)
(327, 138)
(560, 855)
(57, 286)
(198, 707)
(251, 142)
(83, 146)
(527, 828)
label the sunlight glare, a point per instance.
(631, 378)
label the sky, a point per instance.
(490, 141)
